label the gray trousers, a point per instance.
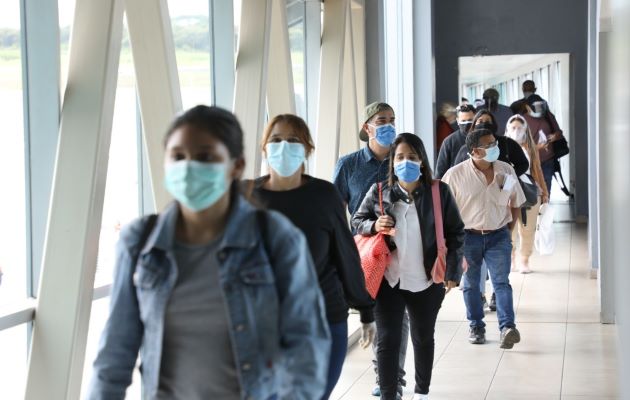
(403, 350)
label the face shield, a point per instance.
(539, 109)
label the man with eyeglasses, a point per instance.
(489, 197)
(356, 172)
(455, 141)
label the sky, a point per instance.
(10, 11)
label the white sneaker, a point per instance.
(418, 396)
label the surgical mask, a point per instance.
(464, 126)
(408, 171)
(492, 154)
(385, 134)
(285, 158)
(196, 185)
(527, 94)
(518, 134)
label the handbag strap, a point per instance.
(380, 197)
(437, 212)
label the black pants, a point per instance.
(423, 309)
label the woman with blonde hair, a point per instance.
(518, 130)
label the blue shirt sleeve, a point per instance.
(340, 180)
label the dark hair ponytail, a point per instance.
(214, 121)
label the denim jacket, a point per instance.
(278, 328)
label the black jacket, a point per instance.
(449, 151)
(369, 211)
(317, 210)
(511, 153)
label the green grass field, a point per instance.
(193, 68)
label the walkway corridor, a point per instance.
(565, 353)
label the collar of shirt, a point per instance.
(240, 231)
(368, 155)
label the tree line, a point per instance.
(189, 33)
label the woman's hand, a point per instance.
(384, 223)
(450, 285)
(368, 332)
(544, 199)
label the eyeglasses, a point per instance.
(489, 145)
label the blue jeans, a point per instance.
(482, 281)
(496, 250)
(338, 350)
(548, 170)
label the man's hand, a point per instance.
(368, 332)
(450, 285)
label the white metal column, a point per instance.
(606, 213)
(424, 75)
(65, 292)
(349, 123)
(593, 116)
(251, 77)
(313, 41)
(280, 91)
(331, 72)
(157, 81)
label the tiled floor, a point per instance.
(565, 353)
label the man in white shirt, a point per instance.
(489, 197)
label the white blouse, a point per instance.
(407, 262)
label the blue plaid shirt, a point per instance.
(356, 173)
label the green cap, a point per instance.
(370, 111)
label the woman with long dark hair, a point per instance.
(216, 296)
(409, 209)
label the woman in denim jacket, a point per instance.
(220, 299)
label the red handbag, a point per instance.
(375, 255)
(438, 272)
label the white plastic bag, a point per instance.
(545, 239)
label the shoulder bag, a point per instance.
(375, 254)
(438, 272)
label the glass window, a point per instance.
(98, 318)
(121, 191)
(13, 348)
(190, 23)
(12, 163)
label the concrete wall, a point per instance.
(614, 194)
(496, 27)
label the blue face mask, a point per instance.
(196, 185)
(285, 158)
(408, 171)
(492, 154)
(385, 134)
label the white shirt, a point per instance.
(482, 206)
(407, 262)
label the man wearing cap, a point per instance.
(356, 172)
(501, 113)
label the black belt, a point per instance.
(483, 231)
